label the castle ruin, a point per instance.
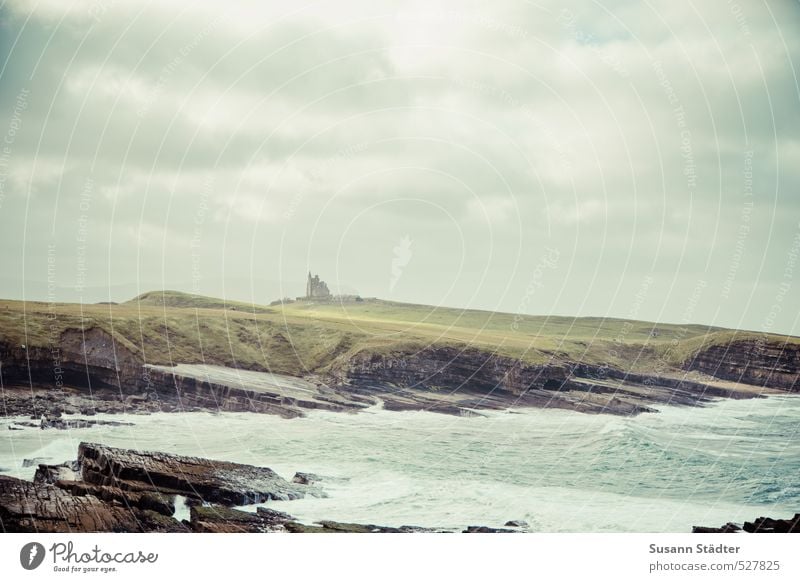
(316, 288)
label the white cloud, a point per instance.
(479, 117)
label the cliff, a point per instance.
(178, 353)
(756, 361)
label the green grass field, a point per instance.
(307, 337)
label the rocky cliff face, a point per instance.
(761, 363)
(449, 379)
(121, 382)
(458, 381)
(83, 358)
(466, 369)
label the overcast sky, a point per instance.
(626, 159)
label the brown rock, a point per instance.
(49, 474)
(769, 525)
(219, 482)
(306, 478)
(219, 519)
(327, 526)
(762, 362)
(759, 525)
(727, 528)
(484, 529)
(33, 507)
(163, 504)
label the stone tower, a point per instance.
(316, 288)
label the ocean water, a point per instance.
(557, 470)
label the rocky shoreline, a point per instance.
(93, 371)
(189, 388)
(108, 489)
(38, 403)
(758, 525)
(97, 372)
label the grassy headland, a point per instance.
(307, 337)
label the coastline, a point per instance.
(193, 387)
(447, 425)
(492, 485)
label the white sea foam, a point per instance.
(557, 470)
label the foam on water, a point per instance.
(557, 470)
(182, 511)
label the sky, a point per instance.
(616, 158)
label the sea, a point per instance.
(559, 471)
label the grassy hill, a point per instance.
(187, 300)
(298, 338)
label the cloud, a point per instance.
(274, 137)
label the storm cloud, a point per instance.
(621, 159)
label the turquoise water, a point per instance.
(557, 470)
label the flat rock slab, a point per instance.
(217, 519)
(212, 481)
(243, 379)
(327, 526)
(220, 388)
(27, 507)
